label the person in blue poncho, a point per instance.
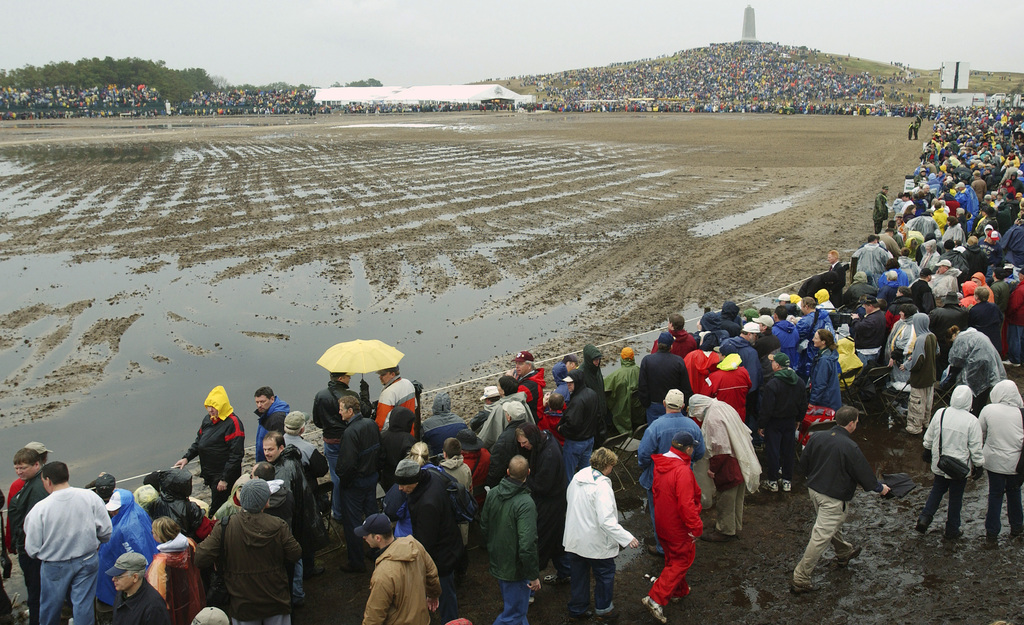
(133, 532)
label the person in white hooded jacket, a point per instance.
(593, 536)
(1002, 427)
(960, 436)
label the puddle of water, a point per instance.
(764, 209)
(164, 400)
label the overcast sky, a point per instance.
(409, 42)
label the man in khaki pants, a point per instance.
(834, 466)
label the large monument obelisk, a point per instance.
(748, 25)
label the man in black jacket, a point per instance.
(940, 320)
(580, 423)
(834, 466)
(138, 603)
(660, 372)
(435, 526)
(357, 474)
(326, 417)
(921, 292)
(869, 332)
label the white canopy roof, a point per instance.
(463, 94)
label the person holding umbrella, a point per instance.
(361, 356)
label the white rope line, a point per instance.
(552, 359)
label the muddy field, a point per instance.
(146, 262)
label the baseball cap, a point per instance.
(682, 439)
(374, 524)
(751, 328)
(39, 448)
(675, 398)
(523, 357)
(781, 358)
(294, 422)
(765, 320)
(211, 616)
(130, 562)
(114, 504)
(104, 486)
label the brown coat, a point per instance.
(258, 546)
(403, 579)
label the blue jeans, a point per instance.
(448, 603)
(579, 587)
(956, 499)
(359, 501)
(331, 451)
(298, 592)
(30, 569)
(650, 508)
(1014, 337)
(998, 484)
(654, 411)
(575, 456)
(75, 577)
(516, 596)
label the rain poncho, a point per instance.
(928, 259)
(910, 268)
(132, 532)
(918, 333)
(897, 343)
(725, 433)
(981, 367)
(175, 576)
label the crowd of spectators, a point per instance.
(143, 101)
(731, 77)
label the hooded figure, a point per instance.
(701, 362)
(621, 388)
(1003, 433)
(974, 361)
(395, 443)
(594, 379)
(560, 372)
(132, 531)
(220, 445)
(175, 488)
(730, 383)
(858, 288)
(711, 323)
(444, 424)
(730, 318)
(173, 573)
(730, 457)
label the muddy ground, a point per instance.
(598, 211)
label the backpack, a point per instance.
(463, 502)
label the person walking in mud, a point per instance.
(834, 466)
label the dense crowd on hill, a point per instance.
(751, 77)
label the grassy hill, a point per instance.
(924, 83)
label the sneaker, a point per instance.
(787, 486)
(799, 589)
(556, 580)
(656, 611)
(844, 560)
(608, 617)
(771, 486)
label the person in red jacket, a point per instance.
(1015, 325)
(531, 381)
(676, 521)
(730, 383)
(684, 342)
(478, 459)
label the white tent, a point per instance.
(461, 94)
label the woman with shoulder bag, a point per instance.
(1002, 429)
(953, 436)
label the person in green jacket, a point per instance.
(509, 523)
(621, 386)
(881, 212)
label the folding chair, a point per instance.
(625, 448)
(868, 381)
(894, 405)
(817, 426)
(940, 399)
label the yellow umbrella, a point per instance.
(360, 356)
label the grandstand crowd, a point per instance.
(732, 77)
